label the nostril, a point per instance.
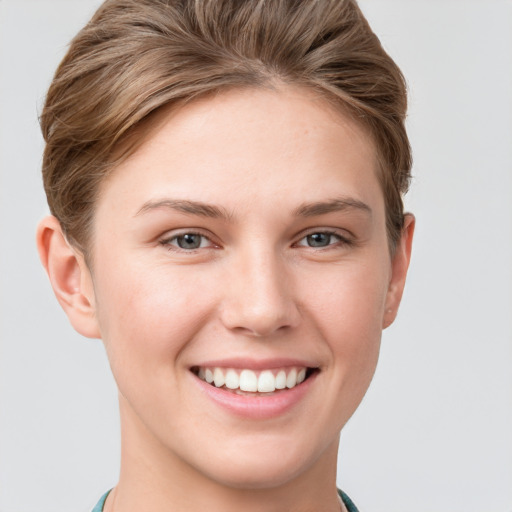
(261, 329)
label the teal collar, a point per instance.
(346, 500)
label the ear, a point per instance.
(399, 266)
(69, 276)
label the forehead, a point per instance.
(263, 143)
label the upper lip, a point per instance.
(255, 364)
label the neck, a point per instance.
(154, 478)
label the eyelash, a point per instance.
(341, 241)
(167, 242)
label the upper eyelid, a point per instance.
(170, 235)
(342, 233)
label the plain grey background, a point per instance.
(435, 430)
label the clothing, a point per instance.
(99, 505)
(346, 500)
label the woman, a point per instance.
(225, 180)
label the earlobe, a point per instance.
(69, 276)
(399, 266)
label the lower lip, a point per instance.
(260, 406)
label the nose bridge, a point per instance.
(259, 299)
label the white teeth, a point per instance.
(248, 381)
(232, 379)
(218, 377)
(266, 382)
(291, 379)
(281, 380)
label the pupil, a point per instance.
(318, 239)
(189, 241)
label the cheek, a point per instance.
(349, 297)
(147, 314)
(347, 311)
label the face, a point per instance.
(244, 242)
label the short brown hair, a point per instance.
(136, 56)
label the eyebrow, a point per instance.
(186, 206)
(216, 212)
(333, 205)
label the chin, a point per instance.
(247, 475)
(261, 466)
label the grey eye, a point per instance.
(319, 239)
(189, 241)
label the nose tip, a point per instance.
(258, 321)
(259, 301)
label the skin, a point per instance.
(255, 289)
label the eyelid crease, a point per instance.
(342, 233)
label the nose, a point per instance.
(258, 296)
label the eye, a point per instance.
(322, 239)
(187, 241)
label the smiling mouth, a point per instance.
(250, 382)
